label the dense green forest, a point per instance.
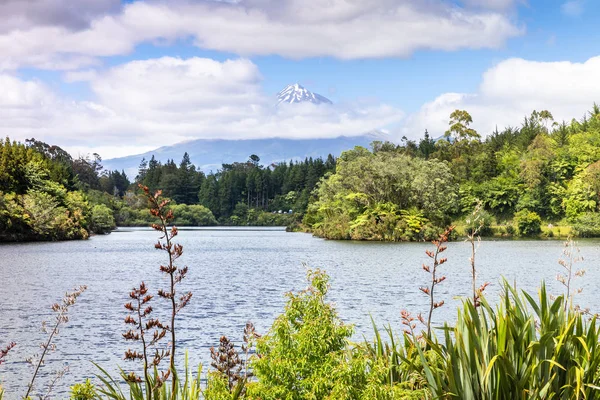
(541, 176)
(45, 194)
(241, 192)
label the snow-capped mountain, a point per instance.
(298, 94)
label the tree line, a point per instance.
(239, 187)
(538, 176)
(46, 194)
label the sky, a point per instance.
(124, 77)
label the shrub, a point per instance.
(510, 230)
(307, 355)
(528, 223)
(83, 391)
(304, 348)
(587, 225)
(102, 219)
(193, 215)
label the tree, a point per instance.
(142, 171)
(87, 171)
(459, 127)
(426, 145)
(102, 219)
(254, 160)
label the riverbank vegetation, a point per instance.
(539, 179)
(524, 347)
(528, 180)
(45, 194)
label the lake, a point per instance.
(239, 275)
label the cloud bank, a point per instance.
(142, 105)
(511, 90)
(36, 35)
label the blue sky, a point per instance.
(117, 77)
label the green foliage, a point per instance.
(528, 223)
(102, 220)
(300, 355)
(188, 386)
(84, 391)
(480, 221)
(382, 196)
(552, 169)
(307, 355)
(244, 216)
(459, 127)
(587, 225)
(37, 196)
(281, 187)
(579, 197)
(523, 349)
(547, 168)
(193, 215)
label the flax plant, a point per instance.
(474, 239)
(187, 387)
(61, 310)
(436, 279)
(3, 353)
(525, 348)
(158, 208)
(142, 326)
(226, 360)
(570, 258)
(250, 337)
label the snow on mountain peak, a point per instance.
(298, 94)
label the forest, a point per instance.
(45, 194)
(540, 178)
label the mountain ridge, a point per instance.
(209, 154)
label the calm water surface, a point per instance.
(238, 276)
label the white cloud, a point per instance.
(511, 90)
(345, 29)
(80, 76)
(24, 14)
(491, 4)
(143, 105)
(572, 8)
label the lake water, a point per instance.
(236, 276)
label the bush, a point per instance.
(307, 355)
(528, 223)
(84, 391)
(102, 219)
(510, 230)
(193, 215)
(303, 349)
(587, 225)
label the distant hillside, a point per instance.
(208, 154)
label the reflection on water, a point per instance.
(238, 275)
